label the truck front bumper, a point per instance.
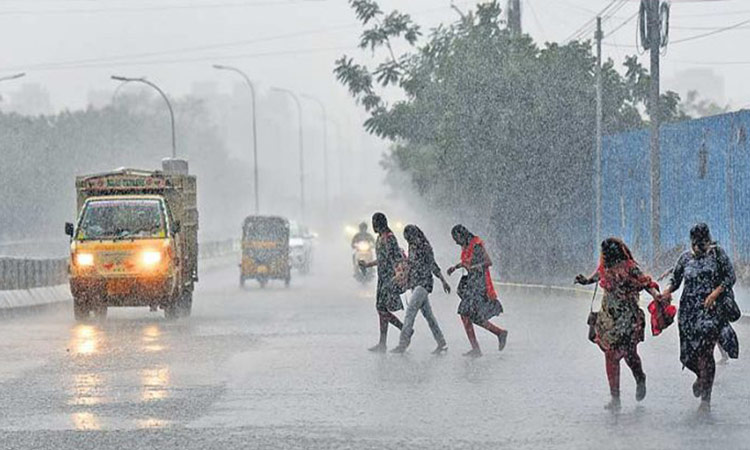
(123, 291)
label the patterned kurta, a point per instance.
(620, 322)
(700, 327)
(388, 253)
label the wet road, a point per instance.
(287, 368)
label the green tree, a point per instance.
(493, 128)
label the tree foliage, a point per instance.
(493, 127)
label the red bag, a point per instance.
(662, 316)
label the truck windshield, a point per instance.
(122, 219)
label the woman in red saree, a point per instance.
(479, 301)
(620, 322)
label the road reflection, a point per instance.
(85, 421)
(152, 339)
(84, 340)
(155, 382)
(93, 385)
(87, 389)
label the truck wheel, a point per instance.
(171, 311)
(185, 305)
(100, 311)
(80, 310)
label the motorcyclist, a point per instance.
(363, 235)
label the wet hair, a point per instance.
(614, 251)
(379, 222)
(363, 226)
(413, 235)
(700, 234)
(461, 234)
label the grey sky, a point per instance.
(70, 46)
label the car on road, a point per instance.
(300, 247)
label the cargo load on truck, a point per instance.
(135, 242)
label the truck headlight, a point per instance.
(84, 259)
(150, 258)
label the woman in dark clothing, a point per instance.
(418, 273)
(388, 296)
(708, 274)
(620, 322)
(479, 301)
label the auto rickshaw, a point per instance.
(265, 250)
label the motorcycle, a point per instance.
(363, 251)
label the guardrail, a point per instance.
(214, 249)
(21, 273)
(30, 273)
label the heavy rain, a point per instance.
(369, 224)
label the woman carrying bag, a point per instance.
(479, 302)
(619, 325)
(706, 307)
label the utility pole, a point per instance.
(514, 17)
(653, 38)
(598, 157)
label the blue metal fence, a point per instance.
(705, 177)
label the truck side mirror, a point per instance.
(69, 229)
(176, 227)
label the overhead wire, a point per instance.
(135, 58)
(139, 9)
(711, 33)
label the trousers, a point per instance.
(420, 301)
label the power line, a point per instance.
(711, 33)
(104, 65)
(131, 9)
(608, 12)
(615, 29)
(217, 46)
(129, 59)
(711, 63)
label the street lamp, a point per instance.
(163, 95)
(255, 136)
(13, 77)
(325, 147)
(301, 148)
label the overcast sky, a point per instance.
(72, 46)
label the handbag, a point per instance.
(729, 342)
(593, 316)
(727, 307)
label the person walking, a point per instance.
(620, 323)
(388, 295)
(418, 276)
(708, 275)
(479, 302)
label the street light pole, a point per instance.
(255, 135)
(163, 95)
(325, 148)
(301, 149)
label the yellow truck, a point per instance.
(135, 242)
